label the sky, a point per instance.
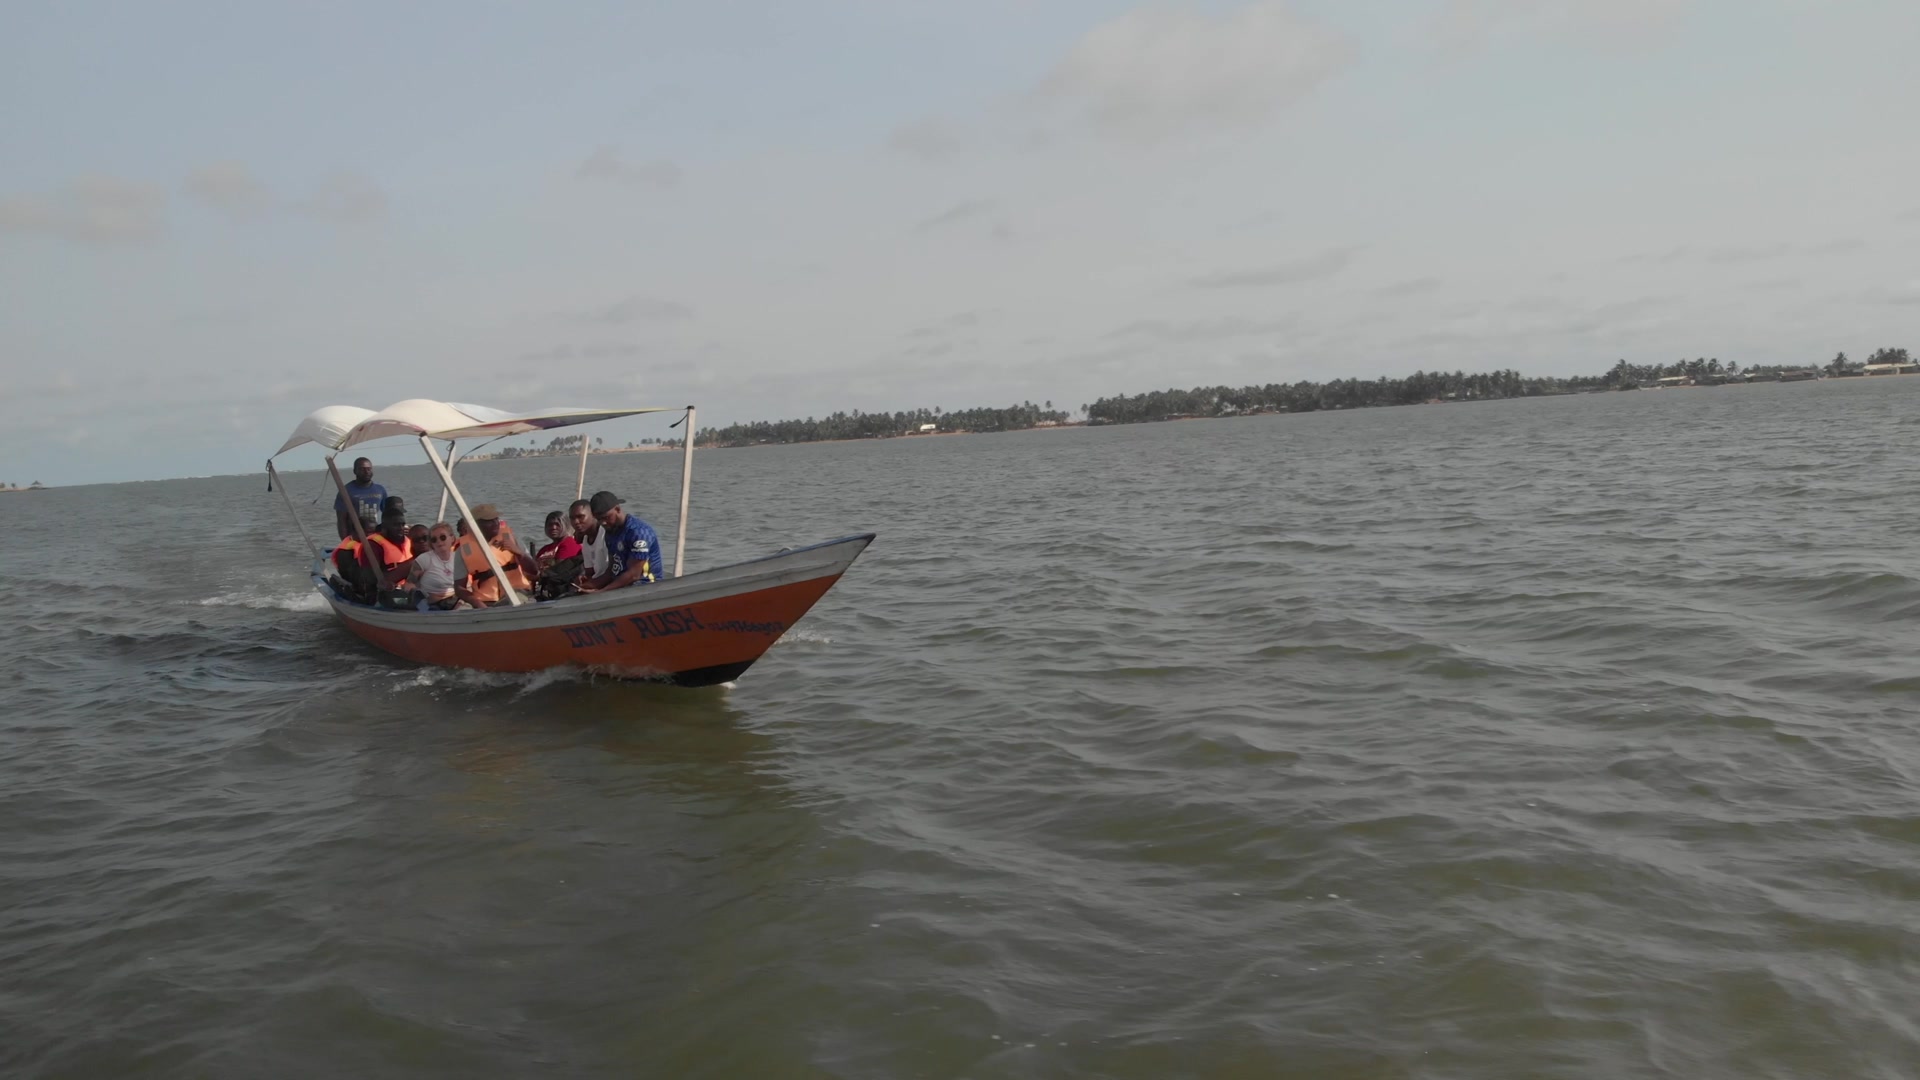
(217, 217)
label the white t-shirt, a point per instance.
(594, 553)
(437, 575)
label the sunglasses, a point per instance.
(437, 537)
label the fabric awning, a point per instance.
(325, 426)
(337, 427)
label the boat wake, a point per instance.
(467, 681)
(304, 600)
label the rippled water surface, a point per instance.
(1570, 737)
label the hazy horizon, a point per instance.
(213, 220)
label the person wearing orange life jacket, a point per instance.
(346, 554)
(519, 566)
(388, 553)
(350, 578)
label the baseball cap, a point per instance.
(604, 501)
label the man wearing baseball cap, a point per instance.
(633, 548)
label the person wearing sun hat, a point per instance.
(516, 563)
(633, 548)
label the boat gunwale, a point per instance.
(662, 594)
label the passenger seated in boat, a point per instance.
(633, 548)
(593, 539)
(347, 553)
(388, 553)
(517, 563)
(438, 577)
(560, 562)
(417, 532)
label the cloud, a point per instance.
(932, 139)
(1671, 255)
(637, 309)
(605, 164)
(1154, 72)
(1765, 252)
(1410, 287)
(1467, 24)
(1310, 268)
(1539, 322)
(344, 200)
(229, 187)
(958, 212)
(959, 321)
(1188, 331)
(1750, 253)
(599, 350)
(91, 210)
(1903, 294)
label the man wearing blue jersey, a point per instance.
(633, 548)
(368, 498)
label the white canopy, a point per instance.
(326, 426)
(337, 427)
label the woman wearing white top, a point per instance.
(439, 574)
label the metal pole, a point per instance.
(581, 484)
(353, 514)
(304, 534)
(442, 514)
(473, 527)
(686, 489)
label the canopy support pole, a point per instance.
(441, 515)
(473, 527)
(686, 489)
(353, 513)
(581, 484)
(304, 534)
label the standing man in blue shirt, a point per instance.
(368, 498)
(633, 548)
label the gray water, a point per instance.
(1568, 737)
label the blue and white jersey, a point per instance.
(366, 499)
(633, 540)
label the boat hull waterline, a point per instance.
(697, 630)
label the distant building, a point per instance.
(1676, 380)
(928, 429)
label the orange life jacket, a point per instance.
(485, 586)
(391, 554)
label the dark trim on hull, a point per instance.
(710, 676)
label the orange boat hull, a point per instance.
(694, 631)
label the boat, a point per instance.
(697, 629)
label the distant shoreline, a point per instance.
(909, 436)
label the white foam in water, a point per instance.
(307, 600)
(803, 637)
(522, 682)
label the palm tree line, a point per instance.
(879, 425)
(1305, 396)
(1439, 386)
